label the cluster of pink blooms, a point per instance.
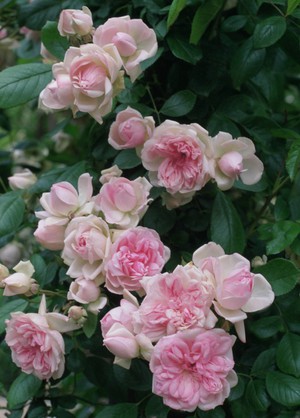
(92, 74)
(177, 320)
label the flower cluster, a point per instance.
(91, 74)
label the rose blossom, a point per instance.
(134, 40)
(176, 157)
(86, 81)
(75, 22)
(193, 369)
(172, 201)
(22, 180)
(138, 252)
(130, 129)
(20, 282)
(50, 233)
(122, 201)
(175, 302)
(64, 202)
(36, 342)
(237, 290)
(109, 173)
(235, 158)
(86, 245)
(4, 272)
(83, 290)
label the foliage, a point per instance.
(229, 66)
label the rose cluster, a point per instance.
(91, 73)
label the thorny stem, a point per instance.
(154, 105)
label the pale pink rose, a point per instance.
(177, 157)
(138, 252)
(36, 348)
(124, 202)
(237, 290)
(83, 291)
(4, 272)
(109, 173)
(121, 342)
(173, 201)
(22, 180)
(174, 302)
(50, 233)
(87, 244)
(21, 282)
(75, 22)
(135, 41)
(130, 130)
(193, 369)
(64, 202)
(235, 158)
(87, 81)
(78, 314)
(122, 314)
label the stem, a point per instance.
(154, 105)
(52, 293)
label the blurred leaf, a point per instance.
(53, 41)
(283, 388)
(22, 83)
(283, 234)
(226, 226)
(282, 274)
(159, 218)
(22, 389)
(122, 410)
(264, 362)
(183, 50)
(12, 209)
(234, 23)
(293, 160)
(156, 408)
(266, 327)
(90, 325)
(138, 377)
(16, 305)
(246, 62)
(288, 354)
(150, 61)
(203, 16)
(257, 396)
(127, 158)
(217, 412)
(291, 6)
(72, 173)
(269, 31)
(179, 104)
(237, 391)
(40, 268)
(176, 7)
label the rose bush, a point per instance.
(149, 160)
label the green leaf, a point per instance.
(238, 390)
(246, 62)
(53, 41)
(72, 173)
(40, 268)
(12, 209)
(293, 160)
(122, 410)
(22, 83)
(288, 354)
(291, 6)
(283, 388)
(179, 104)
(156, 408)
(269, 31)
(264, 362)
(283, 234)
(90, 325)
(257, 396)
(282, 274)
(226, 226)
(266, 327)
(183, 50)
(16, 305)
(217, 412)
(159, 218)
(203, 16)
(23, 388)
(127, 158)
(138, 377)
(176, 7)
(234, 23)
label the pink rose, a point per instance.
(176, 157)
(237, 290)
(172, 201)
(193, 369)
(109, 173)
(134, 40)
(174, 302)
(63, 200)
(234, 158)
(75, 22)
(50, 233)
(121, 342)
(86, 81)
(20, 282)
(36, 348)
(138, 252)
(130, 130)
(123, 202)
(22, 180)
(87, 244)
(83, 291)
